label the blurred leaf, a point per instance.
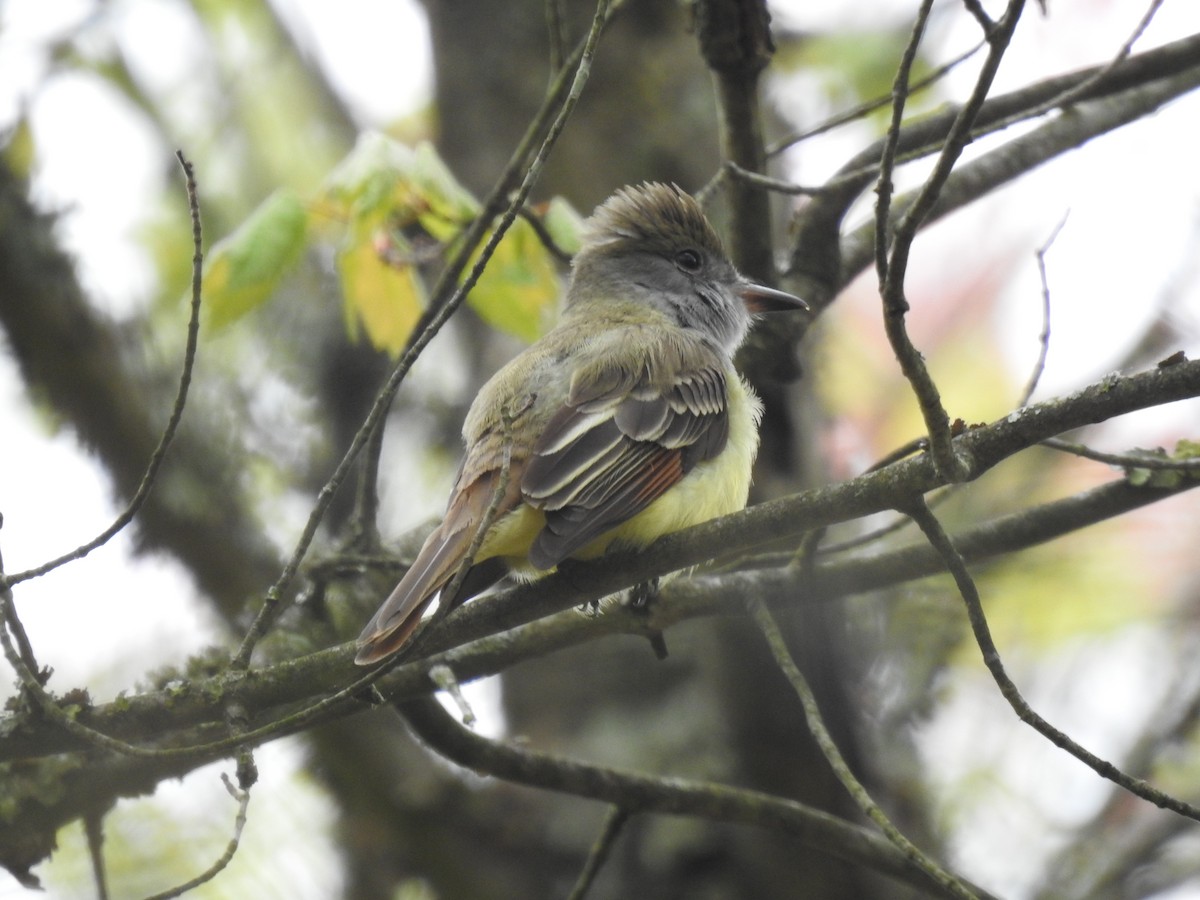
(396, 205)
(371, 196)
(1050, 595)
(366, 180)
(866, 61)
(244, 268)
(1185, 449)
(386, 299)
(449, 207)
(564, 225)
(19, 148)
(1163, 478)
(519, 289)
(391, 197)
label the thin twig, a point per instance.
(975, 8)
(829, 749)
(614, 824)
(887, 159)
(21, 655)
(544, 235)
(556, 32)
(1022, 154)
(1138, 459)
(1044, 337)
(93, 829)
(1066, 98)
(443, 676)
(893, 269)
(957, 138)
(1170, 61)
(864, 109)
(778, 185)
(185, 380)
(956, 565)
(365, 535)
(242, 796)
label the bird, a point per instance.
(625, 422)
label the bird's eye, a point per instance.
(688, 260)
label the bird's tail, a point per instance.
(435, 566)
(392, 626)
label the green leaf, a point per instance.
(19, 149)
(448, 206)
(1185, 449)
(243, 269)
(564, 225)
(366, 182)
(518, 291)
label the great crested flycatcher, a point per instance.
(625, 422)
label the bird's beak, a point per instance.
(761, 299)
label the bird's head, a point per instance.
(653, 245)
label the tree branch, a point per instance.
(267, 691)
(735, 41)
(640, 793)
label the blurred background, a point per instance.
(1099, 629)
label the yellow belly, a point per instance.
(713, 488)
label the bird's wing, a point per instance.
(441, 555)
(628, 432)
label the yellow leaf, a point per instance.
(564, 224)
(243, 269)
(386, 300)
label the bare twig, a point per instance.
(864, 109)
(1138, 459)
(168, 434)
(829, 749)
(93, 829)
(1044, 337)
(613, 825)
(1081, 90)
(443, 676)
(1028, 151)
(893, 269)
(887, 159)
(778, 185)
(954, 563)
(242, 796)
(975, 8)
(544, 235)
(556, 32)
(21, 655)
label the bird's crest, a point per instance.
(652, 215)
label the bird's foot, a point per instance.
(640, 598)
